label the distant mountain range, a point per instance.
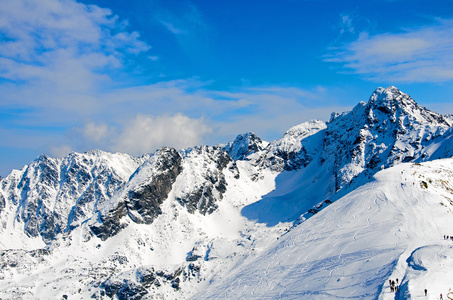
(175, 223)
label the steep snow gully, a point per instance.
(332, 210)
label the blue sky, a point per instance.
(132, 76)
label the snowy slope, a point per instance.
(390, 228)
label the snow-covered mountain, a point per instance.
(203, 220)
(391, 128)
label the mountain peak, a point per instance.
(244, 145)
(389, 90)
(387, 99)
(397, 104)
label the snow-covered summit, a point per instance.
(385, 96)
(292, 139)
(244, 145)
(296, 149)
(390, 128)
(396, 103)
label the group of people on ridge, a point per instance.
(448, 237)
(393, 286)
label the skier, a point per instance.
(441, 298)
(426, 292)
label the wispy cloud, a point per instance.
(172, 27)
(187, 26)
(346, 24)
(62, 43)
(186, 20)
(423, 54)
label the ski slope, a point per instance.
(390, 228)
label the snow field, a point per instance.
(353, 247)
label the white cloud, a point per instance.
(422, 54)
(143, 133)
(96, 133)
(61, 43)
(146, 133)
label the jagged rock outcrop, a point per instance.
(244, 145)
(296, 149)
(141, 197)
(144, 200)
(38, 189)
(109, 223)
(205, 181)
(2, 202)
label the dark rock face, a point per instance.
(2, 203)
(141, 198)
(124, 290)
(147, 279)
(276, 156)
(143, 203)
(285, 160)
(146, 276)
(201, 200)
(110, 223)
(97, 189)
(295, 150)
(212, 184)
